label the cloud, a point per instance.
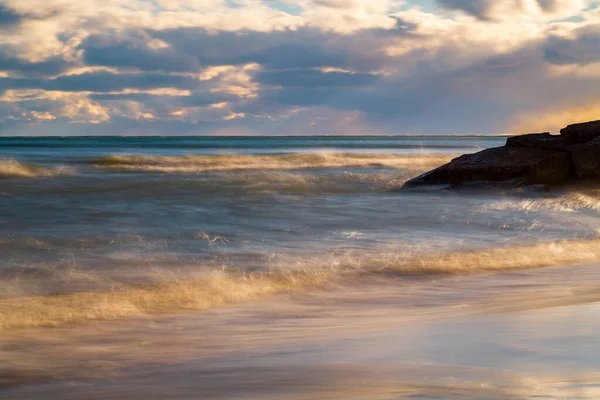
(301, 48)
(581, 47)
(479, 8)
(30, 105)
(296, 55)
(8, 17)
(135, 50)
(9, 61)
(196, 100)
(502, 9)
(494, 95)
(313, 78)
(108, 82)
(101, 82)
(383, 66)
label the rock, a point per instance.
(543, 141)
(526, 160)
(438, 176)
(581, 133)
(515, 165)
(586, 159)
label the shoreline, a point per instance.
(379, 340)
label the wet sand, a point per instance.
(510, 335)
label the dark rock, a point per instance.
(543, 141)
(581, 133)
(515, 165)
(433, 177)
(526, 160)
(586, 159)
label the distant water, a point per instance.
(114, 228)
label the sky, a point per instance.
(297, 67)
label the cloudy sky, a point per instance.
(288, 67)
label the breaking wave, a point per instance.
(15, 169)
(545, 254)
(568, 203)
(233, 162)
(220, 288)
(185, 294)
(306, 183)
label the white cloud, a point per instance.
(348, 16)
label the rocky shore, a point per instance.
(532, 159)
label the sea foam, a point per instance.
(15, 169)
(232, 162)
(289, 275)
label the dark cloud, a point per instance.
(296, 56)
(190, 49)
(133, 51)
(485, 97)
(583, 47)
(303, 97)
(433, 104)
(482, 9)
(19, 83)
(220, 48)
(302, 48)
(474, 99)
(548, 5)
(313, 78)
(102, 82)
(478, 8)
(8, 17)
(49, 67)
(108, 82)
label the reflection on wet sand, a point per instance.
(510, 335)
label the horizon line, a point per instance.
(255, 136)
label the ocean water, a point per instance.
(288, 267)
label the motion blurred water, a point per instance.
(275, 246)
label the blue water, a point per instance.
(256, 143)
(241, 202)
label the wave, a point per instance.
(236, 162)
(186, 294)
(220, 288)
(568, 203)
(286, 182)
(545, 254)
(15, 169)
